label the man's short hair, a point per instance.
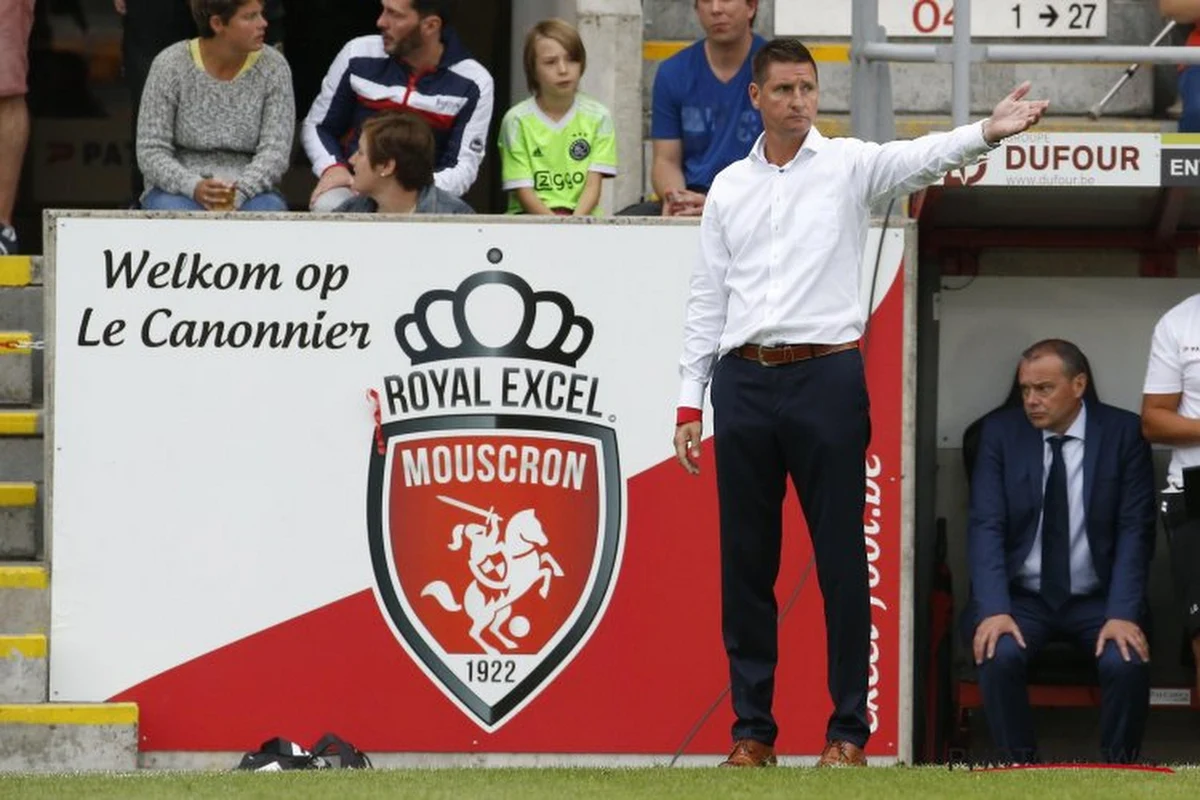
(784, 50)
(405, 138)
(439, 8)
(205, 10)
(1073, 360)
(559, 31)
(753, 19)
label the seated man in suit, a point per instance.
(1060, 537)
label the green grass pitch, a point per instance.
(616, 784)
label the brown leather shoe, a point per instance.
(749, 753)
(842, 754)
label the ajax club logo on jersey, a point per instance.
(495, 500)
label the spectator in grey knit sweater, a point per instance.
(393, 169)
(217, 117)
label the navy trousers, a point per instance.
(1124, 685)
(808, 421)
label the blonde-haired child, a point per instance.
(557, 146)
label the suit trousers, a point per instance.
(1124, 685)
(809, 421)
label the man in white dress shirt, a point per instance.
(774, 319)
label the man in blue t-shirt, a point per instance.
(702, 119)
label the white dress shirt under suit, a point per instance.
(1084, 579)
(781, 246)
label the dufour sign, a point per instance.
(1046, 160)
(494, 553)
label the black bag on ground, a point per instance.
(279, 754)
(347, 755)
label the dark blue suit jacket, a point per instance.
(1006, 502)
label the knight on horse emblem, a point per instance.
(503, 569)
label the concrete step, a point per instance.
(21, 458)
(21, 445)
(61, 737)
(24, 599)
(16, 367)
(24, 669)
(21, 422)
(21, 293)
(20, 270)
(22, 308)
(19, 521)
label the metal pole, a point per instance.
(864, 21)
(890, 51)
(1095, 111)
(1090, 53)
(960, 95)
(1034, 53)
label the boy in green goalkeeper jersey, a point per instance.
(557, 146)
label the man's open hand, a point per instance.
(1013, 115)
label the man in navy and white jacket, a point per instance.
(416, 64)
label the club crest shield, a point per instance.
(495, 538)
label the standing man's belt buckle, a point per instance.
(778, 355)
(781, 354)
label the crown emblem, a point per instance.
(417, 338)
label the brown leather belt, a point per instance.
(789, 353)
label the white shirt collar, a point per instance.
(813, 143)
(1077, 428)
